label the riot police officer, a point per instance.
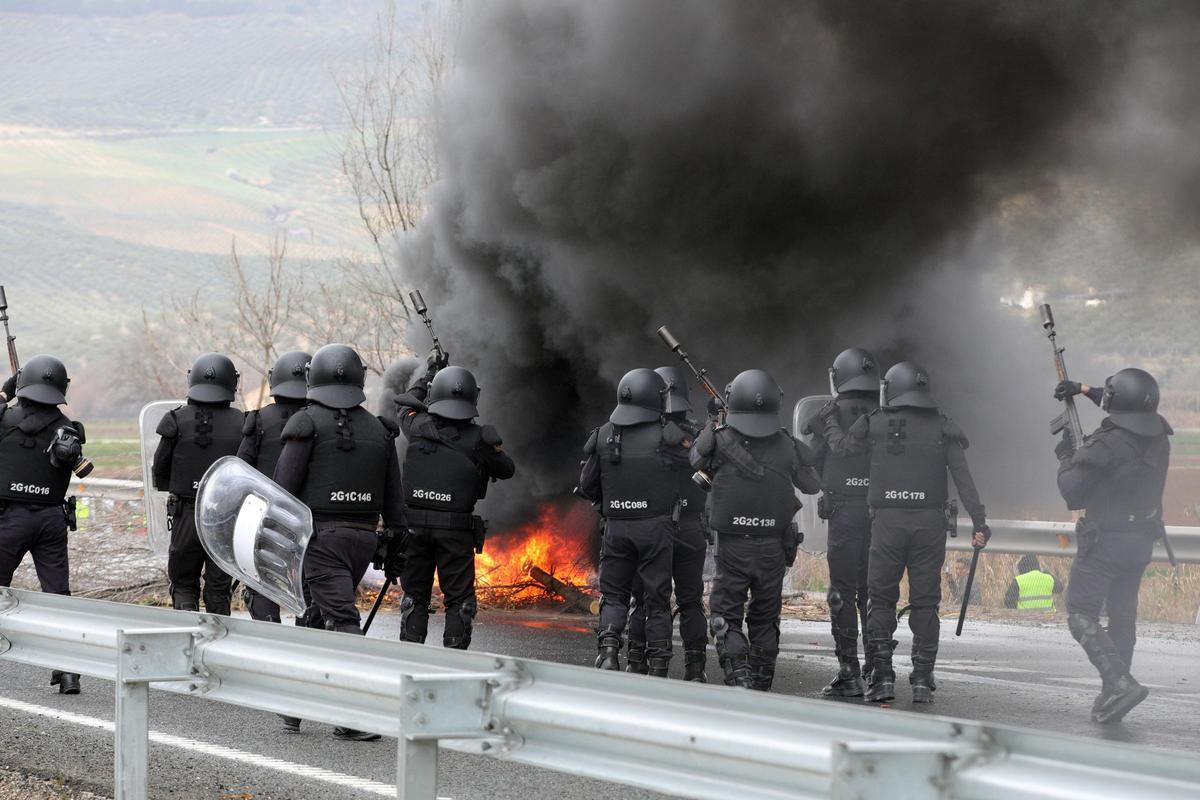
(261, 442)
(688, 552)
(854, 381)
(447, 467)
(39, 448)
(753, 465)
(340, 461)
(1117, 474)
(630, 471)
(192, 437)
(911, 446)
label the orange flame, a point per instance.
(557, 542)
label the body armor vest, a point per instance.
(347, 471)
(269, 427)
(205, 434)
(637, 479)
(848, 475)
(908, 459)
(746, 503)
(26, 474)
(1130, 494)
(441, 472)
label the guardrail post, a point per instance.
(898, 769)
(164, 654)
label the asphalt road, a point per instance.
(1029, 675)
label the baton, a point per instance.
(962, 614)
(378, 602)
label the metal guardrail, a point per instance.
(680, 738)
(112, 488)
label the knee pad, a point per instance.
(834, 598)
(1083, 626)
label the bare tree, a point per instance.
(262, 315)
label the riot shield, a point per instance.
(154, 502)
(254, 530)
(816, 530)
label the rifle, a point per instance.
(419, 306)
(14, 363)
(1069, 419)
(962, 612)
(701, 374)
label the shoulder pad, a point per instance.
(250, 423)
(299, 426)
(954, 433)
(1097, 450)
(672, 434)
(168, 426)
(393, 430)
(589, 446)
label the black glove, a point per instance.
(437, 359)
(1066, 389)
(1066, 447)
(9, 389)
(490, 436)
(714, 407)
(828, 411)
(391, 555)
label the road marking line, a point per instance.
(228, 753)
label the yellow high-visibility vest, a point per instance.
(1037, 590)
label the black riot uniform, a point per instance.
(854, 381)
(39, 448)
(262, 442)
(1117, 475)
(630, 471)
(688, 552)
(755, 467)
(192, 437)
(340, 460)
(911, 447)
(447, 467)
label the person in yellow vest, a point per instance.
(1032, 589)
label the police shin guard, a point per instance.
(762, 668)
(466, 617)
(219, 605)
(407, 634)
(924, 654)
(1121, 693)
(735, 667)
(635, 655)
(67, 682)
(848, 682)
(658, 658)
(883, 678)
(182, 601)
(608, 645)
(694, 662)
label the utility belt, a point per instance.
(829, 503)
(449, 521)
(1088, 531)
(334, 524)
(177, 503)
(791, 536)
(68, 508)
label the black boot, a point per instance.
(658, 658)
(1121, 693)
(847, 683)
(351, 735)
(883, 678)
(1115, 703)
(636, 658)
(694, 662)
(924, 655)
(762, 668)
(290, 724)
(67, 682)
(737, 671)
(608, 644)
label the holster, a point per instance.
(1087, 533)
(69, 513)
(826, 506)
(951, 511)
(479, 528)
(172, 505)
(793, 537)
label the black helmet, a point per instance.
(854, 370)
(679, 397)
(1131, 400)
(908, 386)
(286, 378)
(212, 379)
(753, 403)
(453, 394)
(43, 379)
(336, 376)
(639, 397)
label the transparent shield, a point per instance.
(254, 530)
(155, 502)
(816, 530)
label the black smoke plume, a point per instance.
(775, 181)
